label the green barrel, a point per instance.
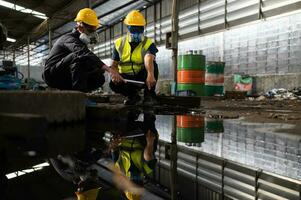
(214, 125)
(190, 135)
(191, 62)
(191, 74)
(214, 78)
(199, 89)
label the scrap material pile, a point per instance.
(284, 94)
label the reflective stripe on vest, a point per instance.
(126, 158)
(131, 63)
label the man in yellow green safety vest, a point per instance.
(134, 60)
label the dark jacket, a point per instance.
(72, 66)
(70, 43)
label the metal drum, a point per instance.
(214, 125)
(191, 73)
(190, 129)
(214, 78)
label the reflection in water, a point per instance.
(255, 144)
(190, 130)
(127, 149)
(131, 149)
(22, 154)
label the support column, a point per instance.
(89, 4)
(49, 36)
(174, 36)
(28, 62)
(173, 150)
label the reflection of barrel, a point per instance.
(190, 129)
(214, 81)
(191, 74)
(214, 125)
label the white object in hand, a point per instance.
(132, 81)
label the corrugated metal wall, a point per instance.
(266, 47)
(241, 163)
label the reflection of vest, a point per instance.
(131, 152)
(131, 62)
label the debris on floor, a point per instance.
(282, 94)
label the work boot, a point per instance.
(150, 100)
(132, 100)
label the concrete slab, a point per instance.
(55, 106)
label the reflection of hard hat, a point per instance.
(135, 18)
(88, 195)
(132, 196)
(88, 16)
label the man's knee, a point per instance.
(95, 82)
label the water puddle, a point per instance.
(141, 155)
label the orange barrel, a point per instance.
(191, 76)
(191, 73)
(214, 81)
(190, 129)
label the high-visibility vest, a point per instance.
(128, 156)
(131, 62)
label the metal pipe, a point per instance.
(28, 62)
(49, 37)
(174, 36)
(260, 14)
(88, 3)
(173, 161)
(155, 23)
(225, 16)
(14, 56)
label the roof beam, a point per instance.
(22, 9)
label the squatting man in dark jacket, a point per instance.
(71, 65)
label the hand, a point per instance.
(150, 81)
(115, 76)
(114, 143)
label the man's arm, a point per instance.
(115, 76)
(149, 66)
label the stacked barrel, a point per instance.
(214, 78)
(190, 130)
(191, 73)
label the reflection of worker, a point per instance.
(135, 157)
(87, 190)
(71, 65)
(134, 59)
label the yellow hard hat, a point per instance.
(131, 196)
(88, 16)
(88, 195)
(135, 18)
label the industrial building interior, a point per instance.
(221, 121)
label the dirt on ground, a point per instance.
(264, 111)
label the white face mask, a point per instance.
(84, 38)
(89, 39)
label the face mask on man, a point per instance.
(136, 33)
(91, 38)
(136, 37)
